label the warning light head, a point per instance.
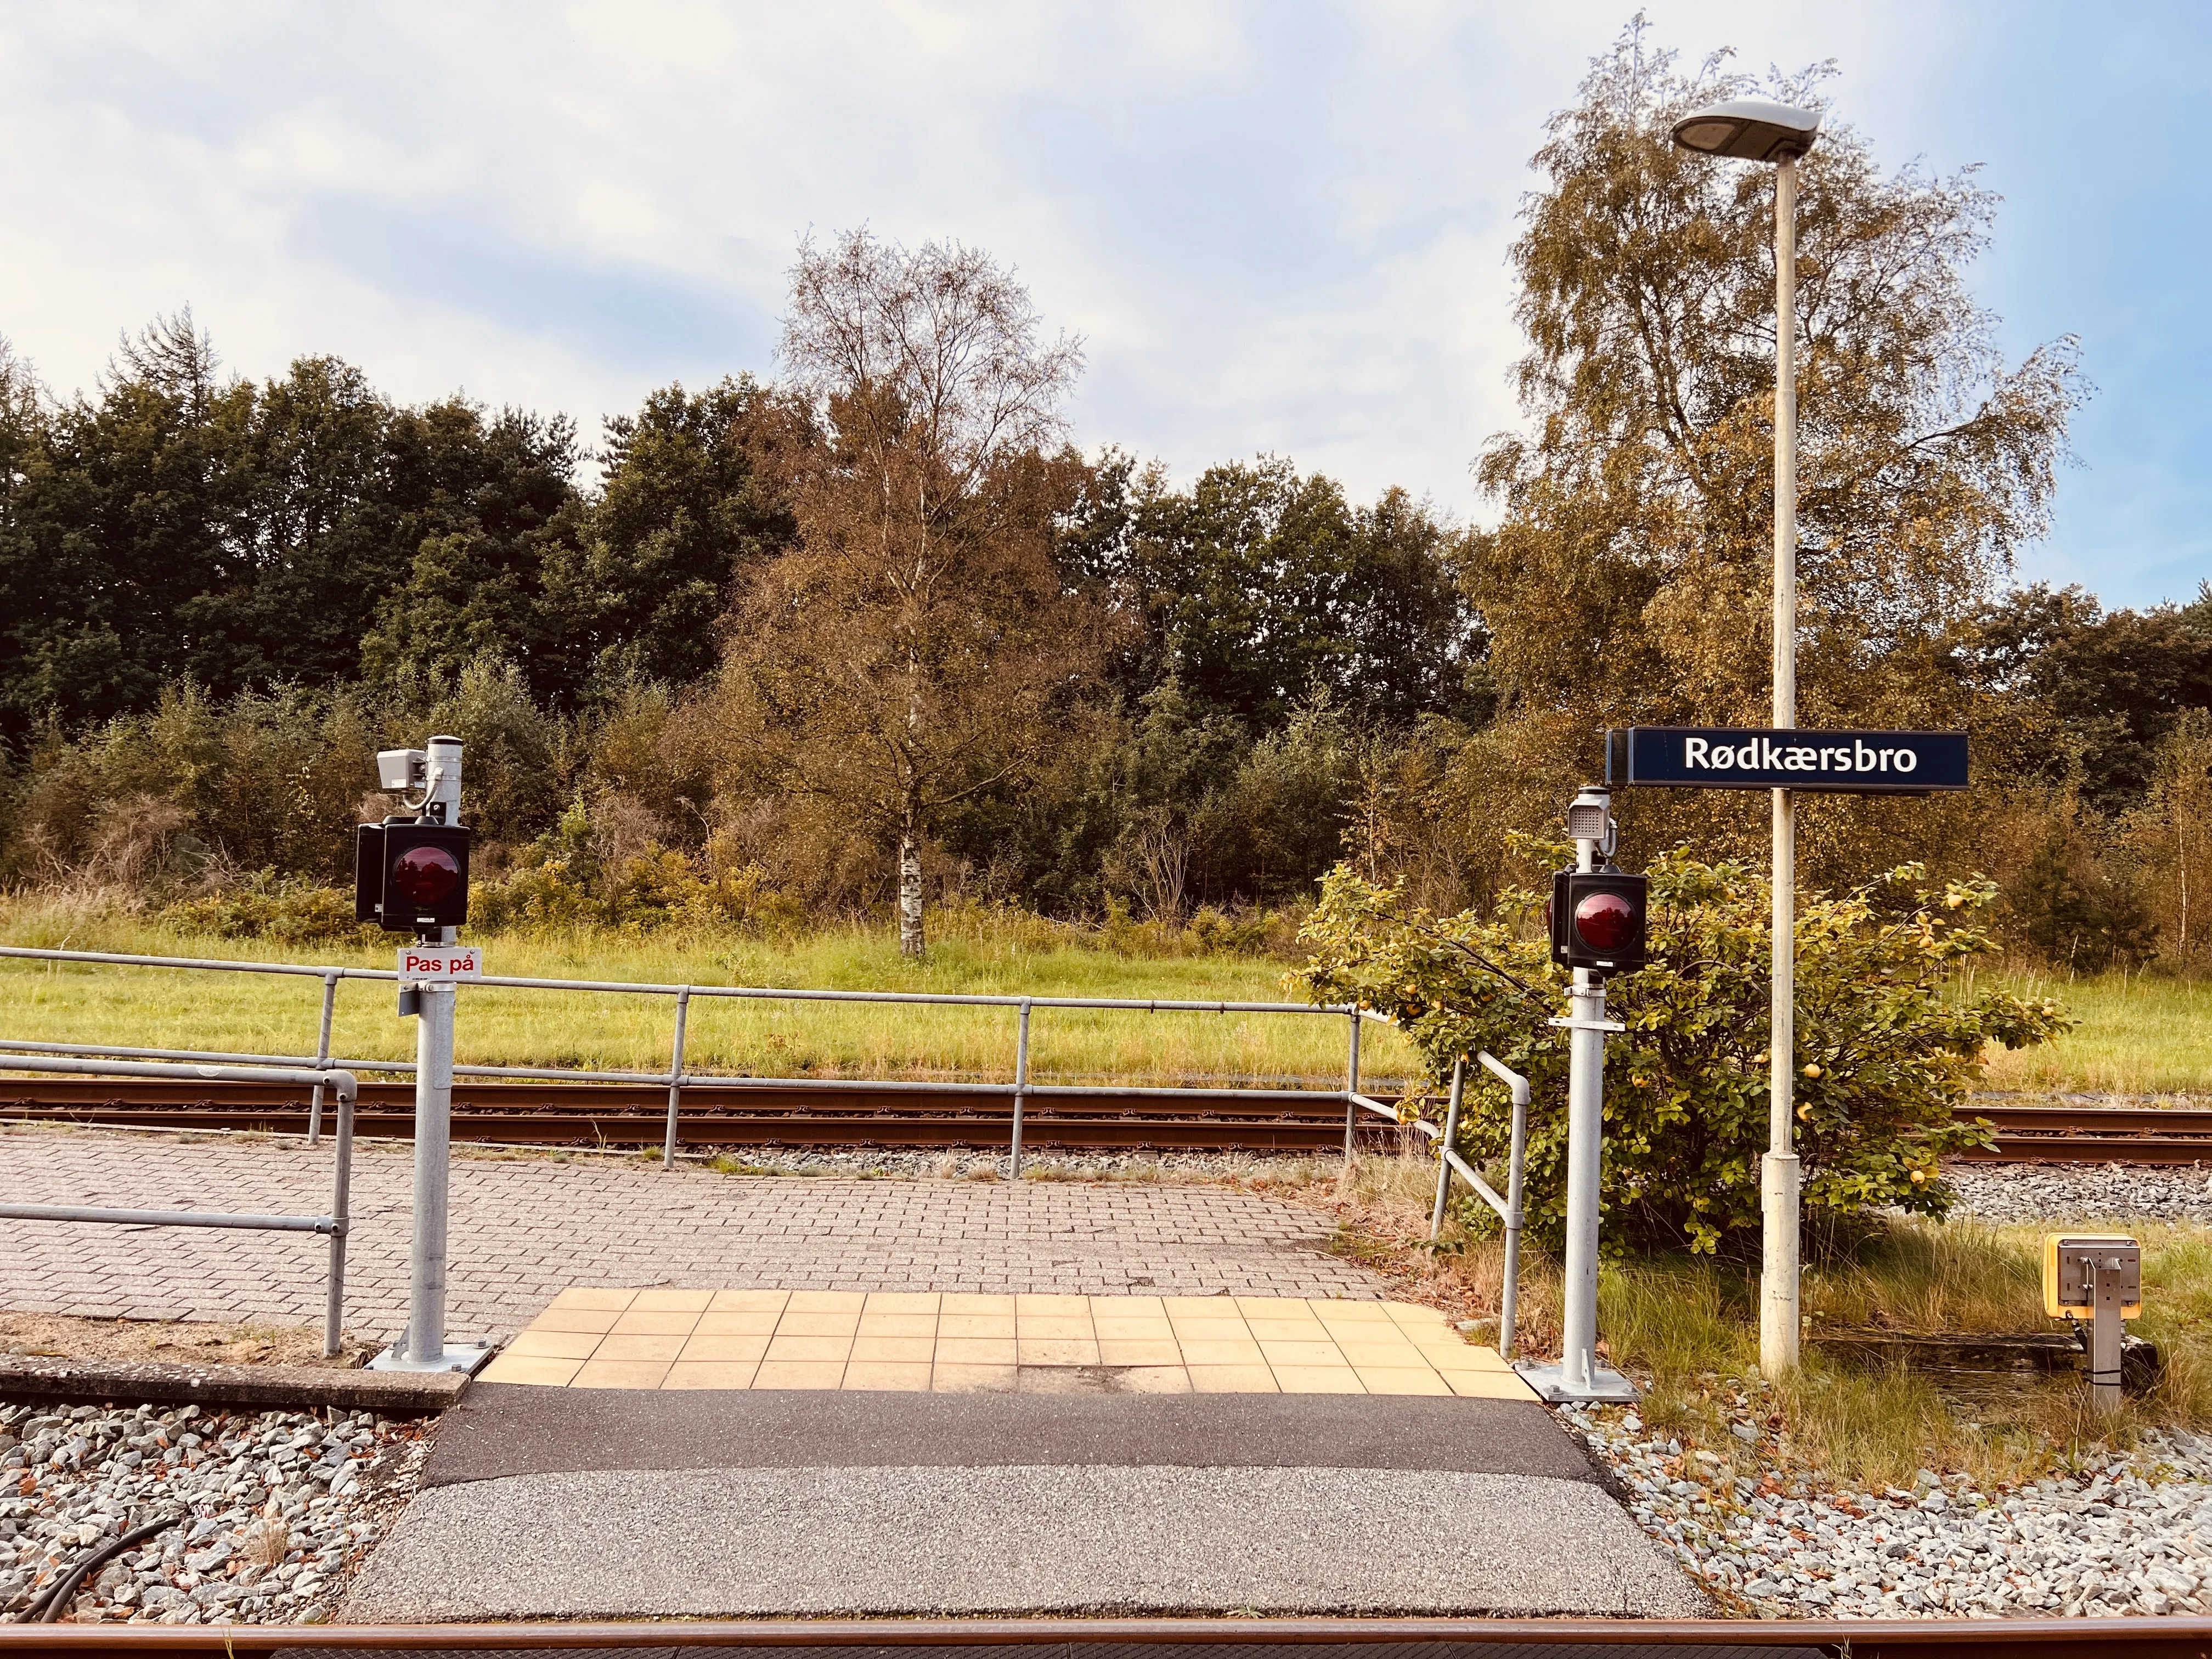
(411, 878)
(1597, 920)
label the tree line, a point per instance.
(872, 626)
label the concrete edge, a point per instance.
(394, 1394)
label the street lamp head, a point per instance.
(1749, 130)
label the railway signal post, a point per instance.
(1597, 927)
(411, 876)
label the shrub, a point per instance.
(1886, 1043)
(269, 906)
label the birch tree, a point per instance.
(912, 648)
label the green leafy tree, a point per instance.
(918, 645)
(119, 513)
(320, 535)
(1257, 588)
(488, 499)
(2112, 684)
(1889, 1044)
(1628, 578)
(686, 507)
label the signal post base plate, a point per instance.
(1607, 1386)
(468, 1357)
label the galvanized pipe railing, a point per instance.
(1450, 1163)
(322, 1059)
(335, 1225)
(676, 1079)
(769, 993)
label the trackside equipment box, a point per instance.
(2069, 1272)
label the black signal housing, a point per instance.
(411, 877)
(1599, 919)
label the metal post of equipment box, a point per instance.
(2099, 1274)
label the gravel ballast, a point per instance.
(2131, 1536)
(2080, 1192)
(281, 1507)
(1038, 1163)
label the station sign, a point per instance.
(1837, 763)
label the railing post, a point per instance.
(1508, 1301)
(1351, 1086)
(341, 1224)
(675, 1077)
(1021, 1086)
(1451, 1135)
(322, 1059)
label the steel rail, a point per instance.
(630, 1115)
(2168, 1638)
(809, 1110)
(614, 1107)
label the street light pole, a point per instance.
(1779, 1322)
(1751, 129)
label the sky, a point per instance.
(1276, 227)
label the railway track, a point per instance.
(2097, 1134)
(626, 1114)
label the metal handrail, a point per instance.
(336, 1226)
(676, 1078)
(11, 1046)
(762, 993)
(1450, 1163)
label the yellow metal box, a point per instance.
(2070, 1284)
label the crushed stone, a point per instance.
(281, 1507)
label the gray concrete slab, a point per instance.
(940, 1541)
(501, 1429)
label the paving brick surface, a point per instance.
(927, 1341)
(524, 1229)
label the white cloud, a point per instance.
(1278, 226)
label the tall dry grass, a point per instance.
(2139, 1034)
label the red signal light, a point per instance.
(1607, 922)
(425, 875)
(1597, 919)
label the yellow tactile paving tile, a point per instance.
(667, 1337)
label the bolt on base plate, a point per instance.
(469, 1356)
(1607, 1386)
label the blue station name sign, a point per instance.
(1840, 763)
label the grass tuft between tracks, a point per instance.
(1687, 1330)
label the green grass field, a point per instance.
(2137, 1036)
(257, 1013)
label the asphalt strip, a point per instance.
(499, 1431)
(1004, 1539)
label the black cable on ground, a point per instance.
(47, 1609)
